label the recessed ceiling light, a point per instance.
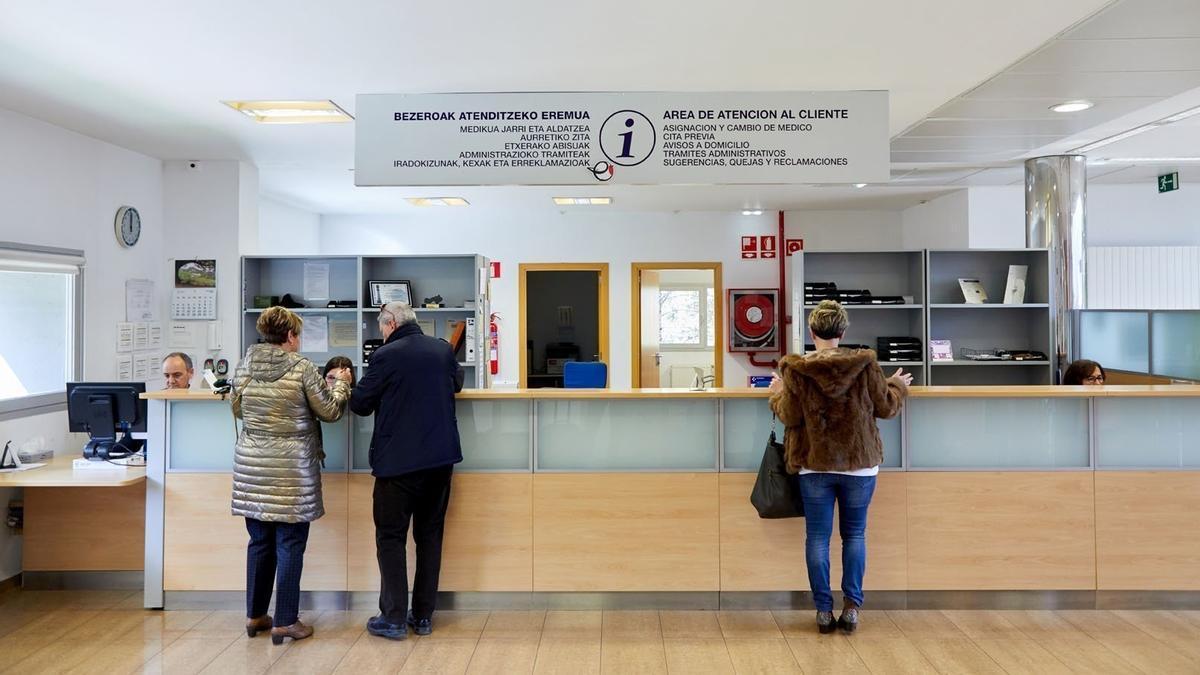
(291, 112)
(436, 201)
(1071, 106)
(860, 185)
(583, 201)
(752, 212)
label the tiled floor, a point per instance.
(108, 632)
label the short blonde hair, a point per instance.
(829, 320)
(275, 323)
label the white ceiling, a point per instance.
(149, 76)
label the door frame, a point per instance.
(636, 318)
(602, 270)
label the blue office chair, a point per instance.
(585, 375)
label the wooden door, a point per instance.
(649, 356)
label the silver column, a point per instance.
(1056, 219)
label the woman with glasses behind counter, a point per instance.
(1084, 371)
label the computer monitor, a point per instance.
(101, 409)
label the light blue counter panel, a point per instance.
(202, 436)
(494, 435)
(748, 423)
(335, 438)
(361, 429)
(1117, 340)
(1175, 344)
(627, 435)
(1148, 433)
(997, 433)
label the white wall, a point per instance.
(284, 229)
(205, 208)
(63, 189)
(1137, 215)
(614, 237)
(938, 223)
(996, 217)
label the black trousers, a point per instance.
(275, 556)
(420, 497)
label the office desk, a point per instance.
(58, 473)
(88, 522)
(1088, 489)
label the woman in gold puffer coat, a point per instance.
(281, 398)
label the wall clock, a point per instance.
(128, 226)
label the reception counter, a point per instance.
(595, 491)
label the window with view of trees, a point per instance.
(686, 317)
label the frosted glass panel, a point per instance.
(748, 423)
(494, 435)
(361, 429)
(202, 436)
(1176, 344)
(1117, 340)
(335, 438)
(997, 433)
(627, 435)
(1148, 433)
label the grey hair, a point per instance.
(187, 360)
(402, 311)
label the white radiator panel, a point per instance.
(1143, 277)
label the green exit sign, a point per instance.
(1168, 182)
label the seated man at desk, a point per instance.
(177, 371)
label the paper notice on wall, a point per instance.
(141, 367)
(139, 300)
(124, 367)
(314, 338)
(156, 335)
(342, 334)
(124, 336)
(316, 281)
(141, 336)
(181, 337)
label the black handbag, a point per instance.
(776, 493)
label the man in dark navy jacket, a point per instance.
(409, 386)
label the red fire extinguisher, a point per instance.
(494, 344)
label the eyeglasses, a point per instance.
(1094, 379)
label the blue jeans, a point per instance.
(853, 496)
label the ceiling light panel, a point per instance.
(436, 201)
(291, 112)
(583, 201)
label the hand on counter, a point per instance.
(902, 376)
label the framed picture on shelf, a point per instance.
(383, 292)
(753, 320)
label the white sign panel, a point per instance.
(629, 138)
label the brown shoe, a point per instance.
(259, 625)
(296, 631)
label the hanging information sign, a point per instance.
(621, 138)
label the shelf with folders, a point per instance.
(461, 281)
(1005, 340)
(884, 295)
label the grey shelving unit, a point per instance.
(993, 325)
(461, 280)
(895, 272)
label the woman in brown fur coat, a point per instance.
(828, 400)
